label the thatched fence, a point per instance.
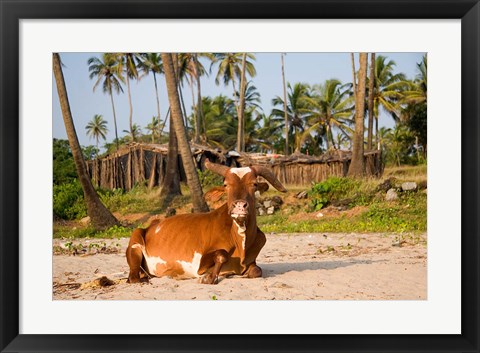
(140, 163)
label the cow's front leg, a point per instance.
(253, 271)
(218, 257)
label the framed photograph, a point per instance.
(443, 317)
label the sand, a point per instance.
(295, 267)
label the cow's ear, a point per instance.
(214, 194)
(262, 187)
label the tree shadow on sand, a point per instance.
(279, 268)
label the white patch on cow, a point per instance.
(240, 172)
(241, 232)
(191, 268)
(134, 246)
(152, 262)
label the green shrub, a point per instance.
(336, 189)
(208, 178)
(68, 201)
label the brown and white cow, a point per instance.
(221, 242)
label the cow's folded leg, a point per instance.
(219, 258)
(134, 255)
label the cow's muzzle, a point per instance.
(239, 210)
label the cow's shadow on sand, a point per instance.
(279, 268)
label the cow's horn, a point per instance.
(216, 168)
(269, 176)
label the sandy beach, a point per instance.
(295, 267)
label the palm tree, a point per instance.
(192, 67)
(199, 204)
(154, 128)
(233, 66)
(109, 70)
(356, 168)
(152, 62)
(371, 95)
(417, 92)
(221, 127)
(134, 133)
(100, 216)
(131, 62)
(285, 104)
(330, 106)
(295, 111)
(388, 89)
(97, 128)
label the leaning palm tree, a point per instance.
(199, 204)
(152, 63)
(330, 107)
(97, 128)
(108, 70)
(100, 216)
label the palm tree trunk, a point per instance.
(131, 106)
(285, 104)
(199, 204)
(241, 108)
(171, 181)
(354, 78)
(200, 117)
(158, 103)
(357, 168)
(114, 117)
(196, 135)
(100, 216)
(371, 88)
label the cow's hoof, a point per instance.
(254, 272)
(209, 278)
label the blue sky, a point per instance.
(311, 68)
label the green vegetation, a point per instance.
(69, 232)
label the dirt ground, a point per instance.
(295, 267)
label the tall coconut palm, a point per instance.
(100, 216)
(356, 168)
(295, 111)
(285, 103)
(107, 71)
(388, 89)
(152, 63)
(330, 107)
(233, 67)
(417, 92)
(193, 67)
(371, 95)
(199, 204)
(97, 128)
(241, 107)
(131, 62)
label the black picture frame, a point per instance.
(12, 11)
